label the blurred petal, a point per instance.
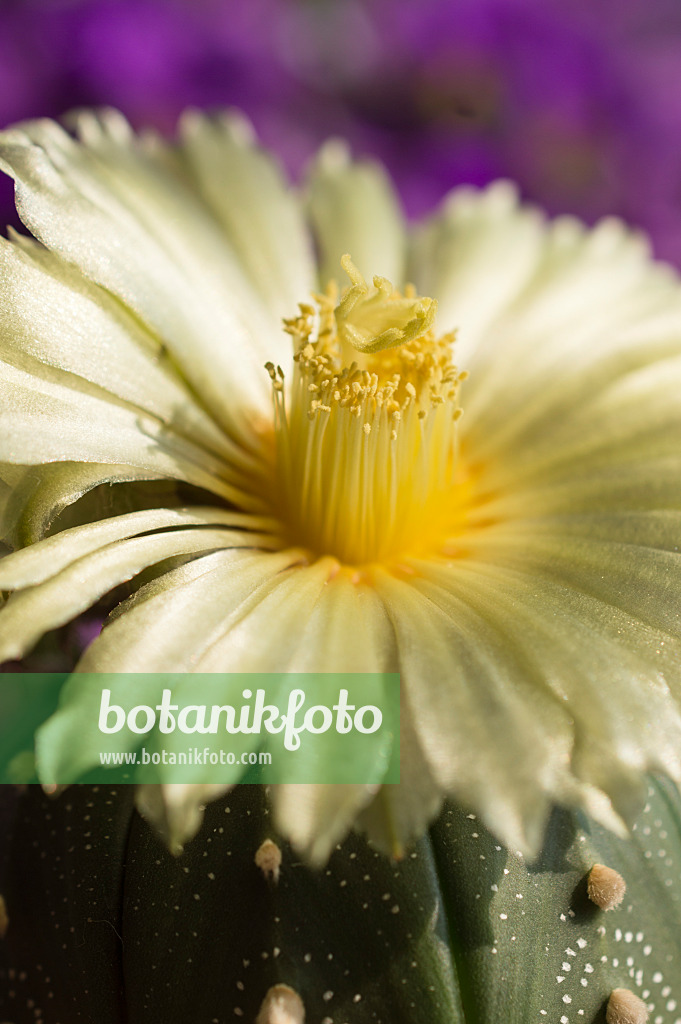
(176, 810)
(475, 256)
(526, 296)
(256, 209)
(354, 210)
(400, 814)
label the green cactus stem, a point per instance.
(103, 925)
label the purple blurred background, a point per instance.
(579, 100)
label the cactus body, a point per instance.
(461, 930)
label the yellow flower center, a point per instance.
(366, 433)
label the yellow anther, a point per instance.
(366, 436)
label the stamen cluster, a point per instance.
(366, 452)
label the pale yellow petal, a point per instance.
(45, 418)
(39, 562)
(610, 673)
(51, 314)
(167, 625)
(641, 485)
(489, 732)
(30, 613)
(641, 581)
(264, 634)
(474, 256)
(137, 228)
(347, 631)
(176, 810)
(596, 306)
(400, 814)
(622, 410)
(258, 212)
(40, 493)
(354, 210)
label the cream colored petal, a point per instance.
(400, 814)
(490, 734)
(621, 409)
(51, 314)
(595, 306)
(48, 416)
(40, 493)
(644, 582)
(221, 611)
(588, 278)
(354, 210)
(615, 527)
(136, 227)
(621, 451)
(163, 628)
(265, 633)
(347, 631)
(546, 314)
(176, 810)
(41, 561)
(167, 625)
(474, 256)
(30, 613)
(255, 207)
(610, 672)
(643, 486)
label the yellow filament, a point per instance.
(366, 452)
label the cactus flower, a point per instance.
(317, 439)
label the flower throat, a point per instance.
(366, 433)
